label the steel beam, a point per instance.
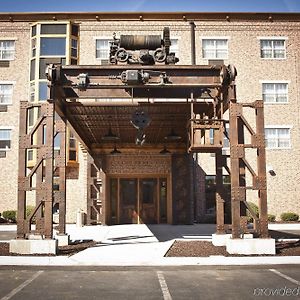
(220, 201)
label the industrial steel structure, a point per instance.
(198, 103)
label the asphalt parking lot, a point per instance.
(150, 282)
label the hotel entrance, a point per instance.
(138, 200)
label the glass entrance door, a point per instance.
(138, 200)
(128, 201)
(148, 200)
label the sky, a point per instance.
(150, 5)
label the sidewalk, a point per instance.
(142, 245)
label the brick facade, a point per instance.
(243, 51)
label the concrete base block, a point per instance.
(221, 239)
(33, 246)
(251, 246)
(63, 239)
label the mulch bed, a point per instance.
(205, 249)
(75, 247)
(69, 250)
(178, 249)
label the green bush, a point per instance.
(29, 209)
(289, 216)
(255, 209)
(271, 218)
(10, 215)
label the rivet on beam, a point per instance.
(11, 19)
(97, 18)
(184, 18)
(54, 18)
(270, 18)
(227, 18)
(141, 18)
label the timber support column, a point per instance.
(261, 170)
(49, 168)
(60, 171)
(236, 196)
(220, 202)
(95, 194)
(21, 219)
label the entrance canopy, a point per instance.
(100, 102)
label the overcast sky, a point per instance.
(150, 5)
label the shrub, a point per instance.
(271, 218)
(289, 216)
(255, 209)
(29, 209)
(10, 215)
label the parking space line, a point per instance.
(21, 286)
(285, 276)
(163, 286)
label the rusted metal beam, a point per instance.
(136, 81)
(236, 196)
(22, 171)
(60, 164)
(220, 201)
(261, 170)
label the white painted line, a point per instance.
(285, 276)
(21, 286)
(163, 286)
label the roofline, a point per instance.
(149, 16)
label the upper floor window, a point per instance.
(277, 138)
(215, 48)
(53, 29)
(102, 49)
(275, 92)
(174, 47)
(6, 91)
(272, 48)
(5, 139)
(7, 50)
(53, 46)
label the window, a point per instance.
(275, 92)
(272, 48)
(72, 147)
(174, 47)
(7, 50)
(102, 49)
(5, 140)
(43, 89)
(277, 137)
(6, 91)
(215, 48)
(74, 48)
(53, 29)
(53, 46)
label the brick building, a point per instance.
(265, 49)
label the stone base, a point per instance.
(33, 246)
(251, 246)
(221, 239)
(63, 239)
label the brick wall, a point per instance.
(244, 53)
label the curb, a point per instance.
(165, 261)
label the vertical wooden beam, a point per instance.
(219, 193)
(62, 129)
(261, 170)
(89, 219)
(39, 222)
(22, 170)
(49, 153)
(235, 169)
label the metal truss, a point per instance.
(209, 89)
